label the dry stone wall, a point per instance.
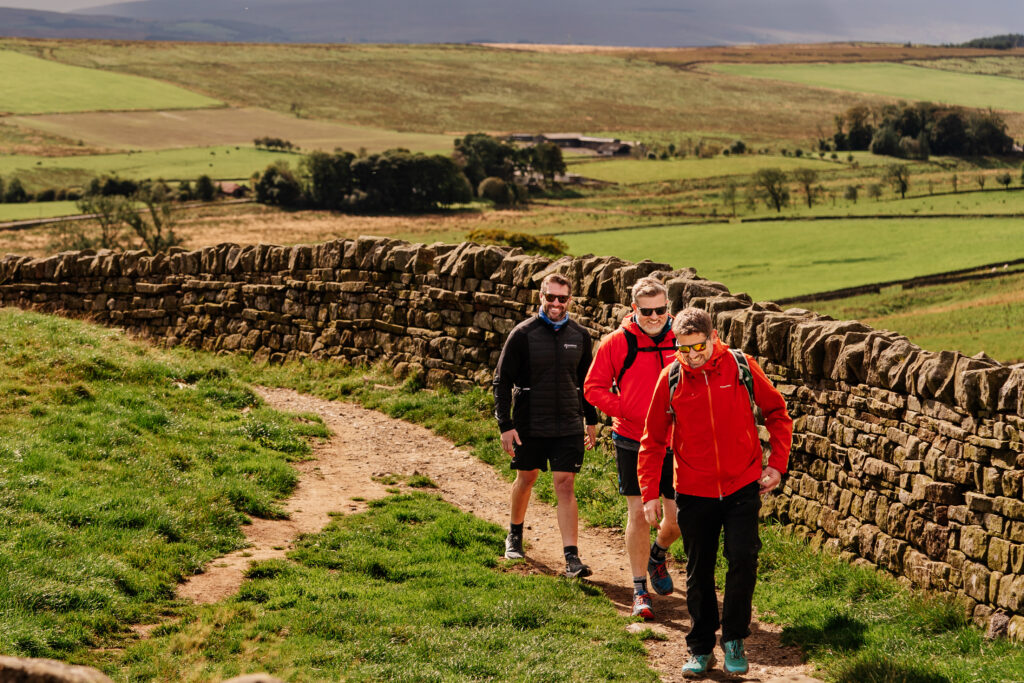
(908, 460)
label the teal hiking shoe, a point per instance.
(735, 658)
(698, 665)
(661, 581)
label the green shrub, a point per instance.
(546, 245)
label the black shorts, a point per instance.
(626, 452)
(564, 453)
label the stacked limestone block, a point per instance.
(908, 460)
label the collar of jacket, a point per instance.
(719, 352)
(544, 316)
(631, 324)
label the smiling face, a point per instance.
(654, 321)
(554, 301)
(692, 356)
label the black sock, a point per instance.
(571, 550)
(639, 584)
(658, 553)
(516, 529)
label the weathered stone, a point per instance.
(22, 670)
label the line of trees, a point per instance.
(277, 144)
(482, 156)
(1005, 41)
(394, 181)
(914, 131)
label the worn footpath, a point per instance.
(366, 444)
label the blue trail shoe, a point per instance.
(661, 581)
(698, 665)
(735, 658)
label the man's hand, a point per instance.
(652, 511)
(590, 440)
(510, 439)
(770, 478)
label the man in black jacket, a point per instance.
(538, 400)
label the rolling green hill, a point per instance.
(41, 86)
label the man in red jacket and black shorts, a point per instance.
(620, 384)
(719, 477)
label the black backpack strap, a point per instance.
(631, 350)
(675, 371)
(747, 378)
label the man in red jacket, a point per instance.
(718, 478)
(620, 383)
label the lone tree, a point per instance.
(108, 210)
(852, 192)
(730, 196)
(898, 175)
(1004, 179)
(154, 222)
(806, 177)
(771, 186)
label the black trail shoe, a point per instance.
(514, 547)
(574, 568)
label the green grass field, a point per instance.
(894, 80)
(462, 88)
(1010, 66)
(788, 258)
(24, 212)
(222, 162)
(973, 316)
(38, 86)
(635, 171)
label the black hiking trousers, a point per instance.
(702, 522)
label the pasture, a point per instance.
(635, 171)
(221, 162)
(779, 259)
(38, 86)
(463, 88)
(1008, 66)
(893, 80)
(30, 210)
(222, 126)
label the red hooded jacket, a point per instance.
(628, 408)
(714, 436)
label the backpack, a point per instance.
(632, 349)
(745, 376)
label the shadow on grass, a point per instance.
(869, 668)
(838, 632)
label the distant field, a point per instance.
(633, 171)
(221, 162)
(24, 212)
(463, 88)
(894, 80)
(789, 258)
(224, 126)
(981, 315)
(1008, 66)
(36, 86)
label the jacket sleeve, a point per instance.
(510, 363)
(589, 413)
(657, 431)
(776, 417)
(597, 388)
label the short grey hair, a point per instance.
(648, 286)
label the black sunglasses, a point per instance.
(657, 310)
(560, 298)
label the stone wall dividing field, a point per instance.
(909, 460)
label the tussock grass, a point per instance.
(409, 591)
(123, 469)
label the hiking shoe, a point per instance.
(661, 581)
(514, 547)
(574, 568)
(642, 606)
(698, 665)
(735, 658)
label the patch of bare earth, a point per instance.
(367, 444)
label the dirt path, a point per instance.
(367, 444)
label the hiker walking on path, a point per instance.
(620, 384)
(539, 404)
(705, 402)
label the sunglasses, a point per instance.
(560, 298)
(657, 310)
(698, 347)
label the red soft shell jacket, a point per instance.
(717, 451)
(628, 408)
